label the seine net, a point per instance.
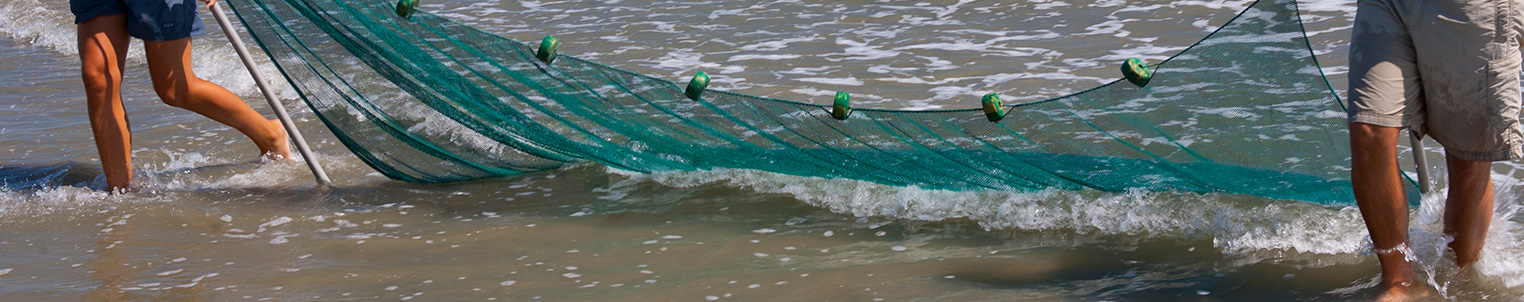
(1246, 110)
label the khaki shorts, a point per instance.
(1447, 68)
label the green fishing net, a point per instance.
(1246, 110)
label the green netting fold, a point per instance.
(1246, 110)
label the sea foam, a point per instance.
(1247, 226)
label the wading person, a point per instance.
(165, 26)
(1448, 69)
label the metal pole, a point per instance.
(1421, 161)
(280, 111)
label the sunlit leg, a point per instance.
(169, 63)
(1468, 208)
(1382, 200)
(102, 45)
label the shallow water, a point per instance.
(216, 224)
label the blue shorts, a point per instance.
(150, 20)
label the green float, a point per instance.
(405, 8)
(548, 49)
(993, 109)
(843, 106)
(697, 86)
(1136, 72)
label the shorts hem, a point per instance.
(1510, 153)
(155, 37)
(86, 10)
(81, 18)
(1378, 120)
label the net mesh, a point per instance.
(1246, 110)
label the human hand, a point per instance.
(209, 3)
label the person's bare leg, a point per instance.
(1383, 203)
(102, 45)
(1468, 208)
(169, 64)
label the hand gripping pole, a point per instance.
(280, 111)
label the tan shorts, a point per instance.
(1447, 68)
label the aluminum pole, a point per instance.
(280, 111)
(1421, 161)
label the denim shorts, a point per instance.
(150, 20)
(1447, 69)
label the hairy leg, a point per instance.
(1468, 208)
(169, 64)
(1381, 198)
(102, 45)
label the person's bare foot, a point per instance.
(281, 149)
(1394, 294)
(1403, 292)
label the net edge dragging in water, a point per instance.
(587, 110)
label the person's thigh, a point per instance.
(102, 45)
(101, 29)
(169, 66)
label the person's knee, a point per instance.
(97, 81)
(1370, 130)
(97, 76)
(173, 93)
(1367, 136)
(1468, 171)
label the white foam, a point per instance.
(158, 179)
(1140, 213)
(1239, 225)
(44, 24)
(863, 51)
(848, 81)
(1210, 4)
(1502, 257)
(1338, 6)
(1110, 27)
(61, 200)
(774, 45)
(998, 79)
(746, 57)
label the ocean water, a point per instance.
(214, 223)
